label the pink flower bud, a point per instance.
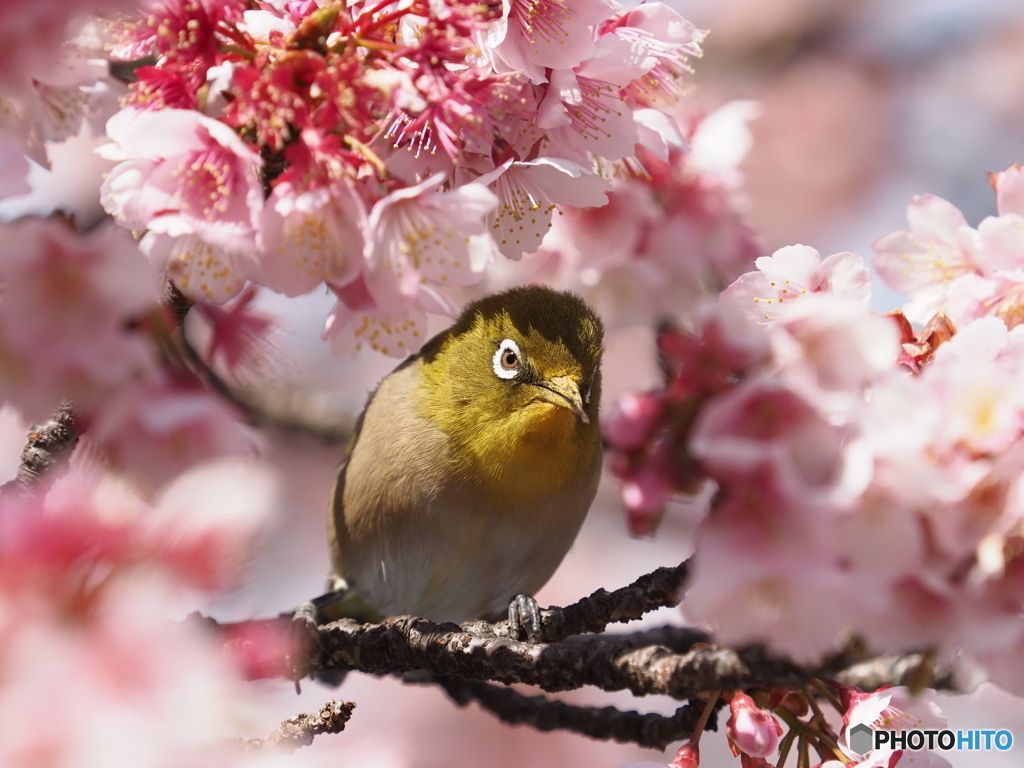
(645, 497)
(688, 756)
(632, 418)
(750, 729)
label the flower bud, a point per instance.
(632, 418)
(750, 729)
(688, 756)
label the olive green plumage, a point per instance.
(474, 462)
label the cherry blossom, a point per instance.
(418, 234)
(534, 35)
(528, 195)
(237, 332)
(398, 110)
(13, 167)
(667, 37)
(66, 315)
(796, 271)
(891, 709)
(583, 112)
(156, 430)
(928, 259)
(311, 237)
(93, 572)
(356, 322)
(183, 174)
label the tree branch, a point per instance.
(284, 409)
(476, 651)
(47, 446)
(299, 731)
(659, 589)
(679, 662)
(609, 723)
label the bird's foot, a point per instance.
(524, 614)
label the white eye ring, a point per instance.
(498, 361)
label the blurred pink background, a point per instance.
(863, 105)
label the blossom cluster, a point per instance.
(868, 479)
(387, 150)
(95, 672)
(790, 722)
(669, 237)
(79, 321)
(944, 265)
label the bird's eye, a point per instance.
(507, 359)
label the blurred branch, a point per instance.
(648, 730)
(299, 731)
(290, 410)
(47, 445)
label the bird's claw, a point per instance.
(524, 613)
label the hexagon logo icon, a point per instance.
(861, 738)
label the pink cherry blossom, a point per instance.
(582, 113)
(92, 572)
(833, 345)
(1009, 187)
(632, 418)
(750, 729)
(200, 270)
(688, 756)
(154, 431)
(311, 237)
(766, 570)
(891, 709)
(793, 272)
(356, 323)
(533, 35)
(13, 167)
(667, 238)
(65, 315)
(528, 194)
(924, 260)
(182, 173)
(454, 111)
(184, 31)
(763, 425)
(419, 234)
(51, 102)
(204, 525)
(667, 37)
(237, 332)
(32, 35)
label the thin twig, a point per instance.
(284, 409)
(300, 730)
(46, 446)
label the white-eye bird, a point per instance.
(473, 465)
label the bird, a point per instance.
(473, 466)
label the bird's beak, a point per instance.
(562, 390)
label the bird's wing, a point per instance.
(393, 470)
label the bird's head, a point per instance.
(516, 381)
